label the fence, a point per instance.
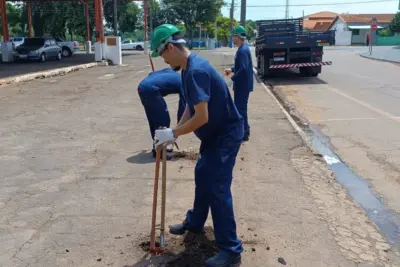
(394, 40)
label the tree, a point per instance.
(223, 29)
(395, 24)
(15, 25)
(76, 20)
(250, 28)
(128, 14)
(193, 12)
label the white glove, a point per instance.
(164, 137)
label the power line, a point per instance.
(326, 4)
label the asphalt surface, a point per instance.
(20, 68)
(355, 103)
(77, 180)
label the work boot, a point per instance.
(170, 148)
(224, 259)
(180, 229)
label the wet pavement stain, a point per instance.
(386, 220)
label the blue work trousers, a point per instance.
(213, 179)
(241, 99)
(157, 111)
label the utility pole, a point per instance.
(243, 13)
(231, 24)
(150, 19)
(287, 10)
(115, 19)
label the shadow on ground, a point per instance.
(290, 77)
(143, 157)
(191, 250)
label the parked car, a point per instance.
(17, 41)
(131, 45)
(67, 47)
(40, 49)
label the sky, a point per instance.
(259, 13)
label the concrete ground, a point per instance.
(77, 180)
(355, 103)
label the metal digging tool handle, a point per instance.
(151, 62)
(163, 197)
(153, 249)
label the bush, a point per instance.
(385, 32)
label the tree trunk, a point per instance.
(191, 38)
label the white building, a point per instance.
(352, 29)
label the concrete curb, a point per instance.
(379, 59)
(45, 74)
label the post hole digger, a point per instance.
(153, 249)
(161, 151)
(160, 83)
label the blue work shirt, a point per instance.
(243, 70)
(201, 82)
(166, 81)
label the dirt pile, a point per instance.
(190, 250)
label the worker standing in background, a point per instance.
(152, 91)
(242, 77)
(211, 114)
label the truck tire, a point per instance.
(264, 67)
(315, 71)
(310, 71)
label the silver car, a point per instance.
(40, 49)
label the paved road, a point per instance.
(356, 103)
(76, 181)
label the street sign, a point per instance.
(374, 24)
(198, 25)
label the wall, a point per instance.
(361, 38)
(343, 38)
(339, 26)
(394, 40)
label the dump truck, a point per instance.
(283, 44)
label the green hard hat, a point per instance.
(239, 30)
(160, 35)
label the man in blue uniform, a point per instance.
(152, 91)
(211, 114)
(242, 78)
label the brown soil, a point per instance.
(190, 250)
(190, 155)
